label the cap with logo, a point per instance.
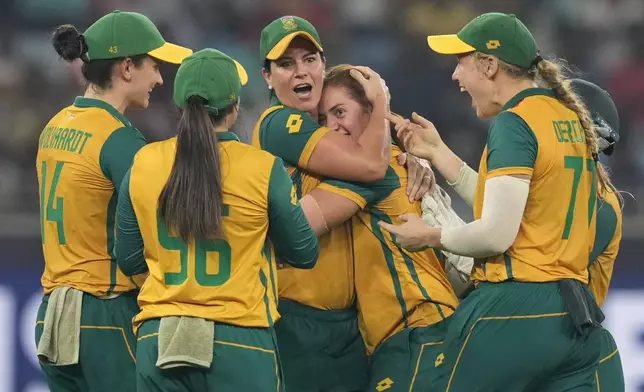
(602, 110)
(211, 75)
(496, 34)
(123, 34)
(277, 36)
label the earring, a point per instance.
(270, 87)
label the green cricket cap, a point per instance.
(496, 34)
(211, 75)
(123, 34)
(277, 36)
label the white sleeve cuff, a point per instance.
(465, 184)
(503, 206)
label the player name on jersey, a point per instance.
(65, 139)
(569, 131)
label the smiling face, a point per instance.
(341, 113)
(474, 76)
(344, 106)
(297, 76)
(142, 80)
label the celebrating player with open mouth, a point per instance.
(531, 324)
(319, 341)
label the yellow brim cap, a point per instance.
(448, 44)
(171, 53)
(279, 49)
(243, 75)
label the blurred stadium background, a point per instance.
(601, 38)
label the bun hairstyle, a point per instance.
(69, 43)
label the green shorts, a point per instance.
(321, 350)
(107, 349)
(244, 359)
(515, 336)
(397, 362)
(610, 375)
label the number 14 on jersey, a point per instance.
(51, 206)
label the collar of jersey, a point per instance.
(82, 102)
(525, 94)
(226, 136)
(274, 100)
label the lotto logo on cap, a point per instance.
(496, 34)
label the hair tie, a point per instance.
(537, 60)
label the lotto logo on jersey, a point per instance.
(384, 384)
(293, 195)
(439, 360)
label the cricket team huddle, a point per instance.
(323, 256)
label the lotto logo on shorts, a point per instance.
(384, 384)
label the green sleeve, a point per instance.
(293, 238)
(606, 222)
(118, 153)
(369, 193)
(128, 246)
(286, 134)
(510, 143)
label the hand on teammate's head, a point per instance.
(370, 82)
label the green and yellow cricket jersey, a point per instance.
(537, 136)
(292, 135)
(396, 288)
(230, 280)
(83, 155)
(606, 246)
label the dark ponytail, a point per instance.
(68, 43)
(191, 203)
(71, 45)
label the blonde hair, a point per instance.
(608, 186)
(552, 74)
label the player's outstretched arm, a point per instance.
(420, 138)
